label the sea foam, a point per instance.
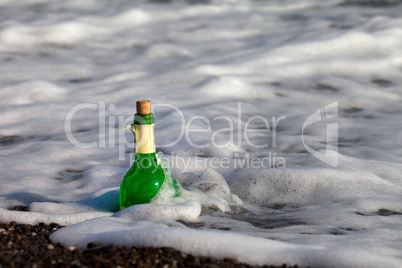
(70, 72)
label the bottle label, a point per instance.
(145, 139)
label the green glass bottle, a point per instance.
(144, 179)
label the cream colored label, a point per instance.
(145, 139)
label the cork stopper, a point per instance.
(143, 107)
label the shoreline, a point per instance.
(23, 245)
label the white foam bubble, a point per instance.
(32, 91)
(211, 243)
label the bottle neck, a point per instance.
(144, 129)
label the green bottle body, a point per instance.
(144, 179)
(142, 182)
